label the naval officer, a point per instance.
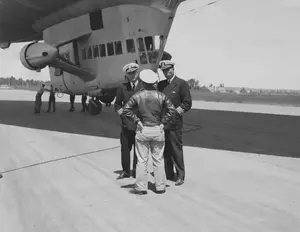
(178, 91)
(128, 128)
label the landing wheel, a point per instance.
(107, 99)
(94, 107)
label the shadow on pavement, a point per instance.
(236, 131)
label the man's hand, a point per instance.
(140, 126)
(120, 111)
(179, 110)
(161, 127)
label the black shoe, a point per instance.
(160, 191)
(138, 192)
(179, 182)
(124, 175)
(1, 175)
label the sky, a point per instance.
(242, 43)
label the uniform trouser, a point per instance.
(173, 154)
(83, 102)
(127, 142)
(151, 139)
(38, 103)
(51, 102)
(72, 100)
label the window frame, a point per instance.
(90, 53)
(152, 47)
(132, 44)
(95, 48)
(116, 43)
(100, 50)
(113, 49)
(83, 54)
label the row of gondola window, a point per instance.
(115, 48)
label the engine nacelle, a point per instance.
(36, 56)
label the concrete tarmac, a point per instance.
(60, 169)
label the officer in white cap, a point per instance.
(124, 92)
(150, 136)
(178, 91)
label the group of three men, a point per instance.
(145, 104)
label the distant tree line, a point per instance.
(193, 83)
(13, 82)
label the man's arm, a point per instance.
(185, 97)
(119, 102)
(170, 110)
(127, 110)
(161, 85)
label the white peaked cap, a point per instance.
(131, 67)
(166, 64)
(148, 76)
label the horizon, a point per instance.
(253, 39)
(200, 85)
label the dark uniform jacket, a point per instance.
(124, 93)
(149, 105)
(178, 91)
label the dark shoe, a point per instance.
(160, 191)
(124, 175)
(1, 175)
(179, 182)
(138, 192)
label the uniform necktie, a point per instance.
(133, 86)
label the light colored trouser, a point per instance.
(150, 139)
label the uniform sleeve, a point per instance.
(170, 110)
(160, 86)
(185, 97)
(127, 109)
(118, 102)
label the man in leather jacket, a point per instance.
(150, 135)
